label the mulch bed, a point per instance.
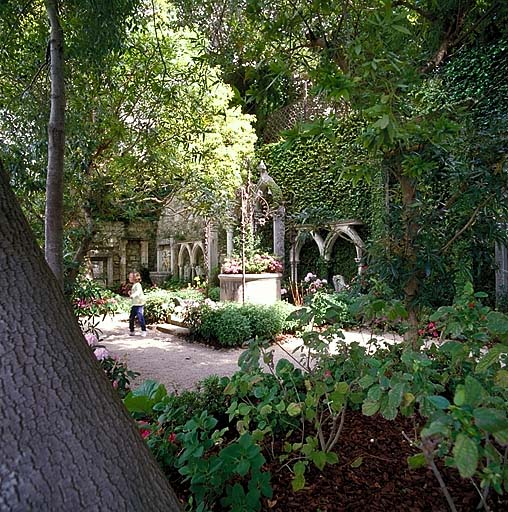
(382, 482)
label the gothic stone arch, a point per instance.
(325, 246)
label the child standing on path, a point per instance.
(137, 303)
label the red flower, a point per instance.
(172, 438)
(328, 373)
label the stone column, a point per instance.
(110, 274)
(278, 232)
(173, 256)
(229, 242)
(212, 248)
(159, 258)
(293, 260)
(501, 255)
(358, 262)
(143, 245)
(123, 260)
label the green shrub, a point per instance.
(159, 306)
(264, 320)
(90, 301)
(214, 293)
(234, 324)
(232, 328)
(283, 309)
(329, 308)
(190, 293)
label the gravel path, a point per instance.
(170, 358)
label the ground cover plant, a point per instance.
(378, 425)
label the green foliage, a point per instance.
(214, 293)
(459, 389)
(234, 324)
(229, 326)
(119, 374)
(321, 161)
(159, 306)
(91, 301)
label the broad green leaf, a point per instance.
(395, 395)
(407, 399)
(265, 410)
(388, 411)
(440, 402)
(243, 467)
(497, 323)
(465, 453)
(298, 482)
(319, 459)
(369, 407)
(459, 398)
(474, 391)
(490, 420)
(374, 392)
(402, 29)
(382, 123)
(501, 437)
(417, 461)
(332, 458)
(501, 378)
(491, 357)
(366, 381)
(357, 462)
(294, 409)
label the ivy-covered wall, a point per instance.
(310, 172)
(314, 173)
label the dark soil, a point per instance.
(383, 480)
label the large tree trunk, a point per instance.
(66, 441)
(56, 147)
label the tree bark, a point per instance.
(411, 286)
(56, 147)
(66, 441)
(84, 247)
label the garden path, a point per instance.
(167, 355)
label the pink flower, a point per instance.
(91, 339)
(328, 373)
(145, 432)
(101, 353)
(172, 438)
(115, 384)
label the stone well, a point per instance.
(259, 288)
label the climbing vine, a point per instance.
(312, 171)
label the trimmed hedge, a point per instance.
(232, 324)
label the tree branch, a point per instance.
(468, 224)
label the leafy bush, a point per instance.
(214, 293)
(116, 371)
(234, 324)
(159, 306)
(231, 327)
(90, 301)
(329, 308)
(264, 321)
